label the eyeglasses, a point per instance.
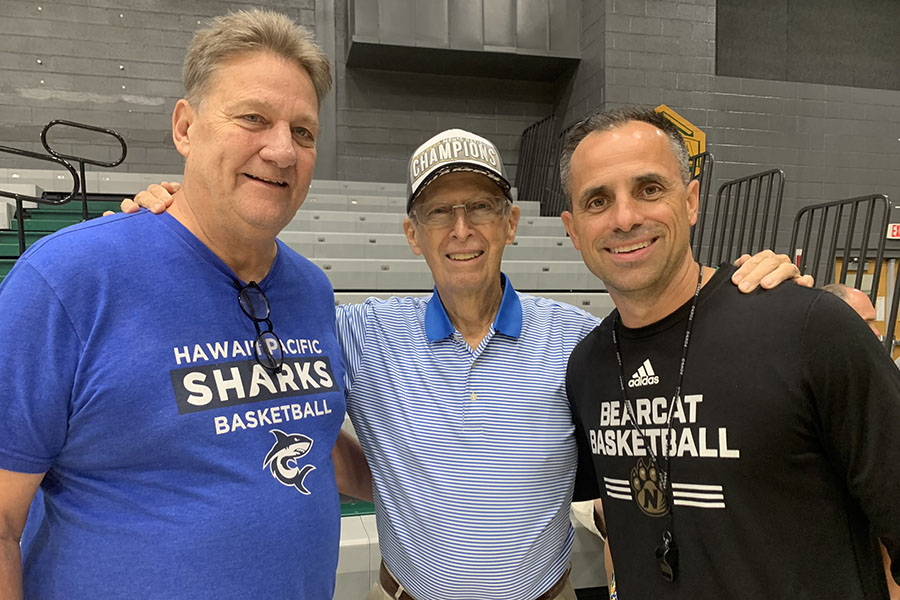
(267, 347)
(478, 211)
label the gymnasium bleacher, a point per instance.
(352, 230)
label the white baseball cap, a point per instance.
(452, 151)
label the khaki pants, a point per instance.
(378, 593)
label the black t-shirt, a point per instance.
(786, 446)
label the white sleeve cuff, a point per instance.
(584, 514)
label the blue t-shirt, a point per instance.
(177, 467)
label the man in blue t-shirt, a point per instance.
(185, 453)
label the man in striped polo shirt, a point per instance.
(459, 400)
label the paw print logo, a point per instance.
(647, 489)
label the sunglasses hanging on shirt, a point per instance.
(267, 346)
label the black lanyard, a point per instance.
(667, 552)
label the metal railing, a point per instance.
(536, 161)
(745, 216)
(830, 227)
(701, 168)
(79, 182)
(828, 231)
(81, 160)
(537, 177)
(890, 324)
(556, 199)
(20, 198)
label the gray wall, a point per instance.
(798, 33)
(585, 91)
(832, 142)
(81, 45)
(382, 116)
(515, 26)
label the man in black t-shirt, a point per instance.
(748, 449)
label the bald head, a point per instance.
(858, 301)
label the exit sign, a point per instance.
(893, 231)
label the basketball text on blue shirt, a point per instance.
(232, 376)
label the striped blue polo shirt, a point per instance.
(472, 451)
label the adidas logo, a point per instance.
(643, 376)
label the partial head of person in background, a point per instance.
(858, 301)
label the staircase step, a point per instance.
(75, 206)
(43, 225)
(9, 242)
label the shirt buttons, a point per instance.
(473, 396)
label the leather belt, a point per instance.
(555, 589)
(392, 587)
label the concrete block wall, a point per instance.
(383, 116)
(97, 62)
(106, 63)
(832, 142)
(586, 89)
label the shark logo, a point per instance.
(282, 459)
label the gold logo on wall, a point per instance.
(694, 138)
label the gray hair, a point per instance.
(243, 31)
(838, 289)
(610, 119)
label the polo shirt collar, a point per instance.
(508, 320)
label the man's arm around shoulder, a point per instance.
(351, 468)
